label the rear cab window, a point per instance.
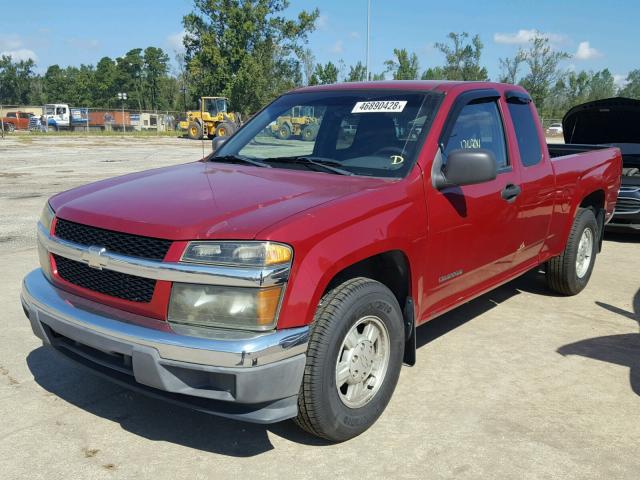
(526, 130)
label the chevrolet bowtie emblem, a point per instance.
(93, 257)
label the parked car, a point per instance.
(16, 121)
(554, 129)
(612, 122)
(277, 280)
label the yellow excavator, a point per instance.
(212, 119)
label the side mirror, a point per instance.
(217, 142)
(468, 167)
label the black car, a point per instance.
(612, 122)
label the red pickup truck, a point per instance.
(16, 121)
(285, 278)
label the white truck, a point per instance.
(60, 116)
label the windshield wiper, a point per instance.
(239, 158)
(329, 165)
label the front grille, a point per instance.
(116, 242)
(107, 282)
(627, 205)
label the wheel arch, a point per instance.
(391, 268)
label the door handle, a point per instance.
(510, 192)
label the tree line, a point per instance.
(248, 51)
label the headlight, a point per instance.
(227, 307)
(46, 217)
(246, 254)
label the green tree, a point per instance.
(16, 78)
(405, 66)
(357, 73)
(106, 83)
(632, 86)
(130, 77)
(510, 68)
(378, 76)
(230, 42)
(155, 68)
(542, 62)
(462, 59)
(56, 84)
(324, 74)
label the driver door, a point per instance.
(473, 228)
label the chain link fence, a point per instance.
(62, 117)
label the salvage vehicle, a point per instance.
(277, 280)
(612, 122)
(16, 121)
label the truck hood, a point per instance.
(203, 200)
(611, 120)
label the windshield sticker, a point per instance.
(379, 106)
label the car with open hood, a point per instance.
(612, 122)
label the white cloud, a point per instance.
(619, 80)
(175, 41)
(337, 47)
(586, 52)
(322, 22)
(12, 45)
(354, 35)
(20, 54)
(524, 36)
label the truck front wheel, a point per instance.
(353, 360)
(569, 273)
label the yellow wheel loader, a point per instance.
(211, 120)
(300, 122)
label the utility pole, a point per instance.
(123, 97)
(368, 36)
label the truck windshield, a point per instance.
(372, 133)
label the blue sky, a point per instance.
(598, 33)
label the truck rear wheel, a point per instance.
(194, 131)
(353, 360)
(569, 273)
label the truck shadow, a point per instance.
(621, 349)
(622, 236)
(531, 282)
(155, 419)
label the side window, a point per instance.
(526, 133)
(479, 125)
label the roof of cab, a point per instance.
(417, 85)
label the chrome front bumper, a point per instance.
(250, 376)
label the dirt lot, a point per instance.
(517, 384)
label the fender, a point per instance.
(357, 227)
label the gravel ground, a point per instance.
(516, 384)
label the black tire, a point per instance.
(562, 271)
(309, 133)
(225, 129)
(194, 131)
(283, 132)
(9, 127)
(321, 411)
